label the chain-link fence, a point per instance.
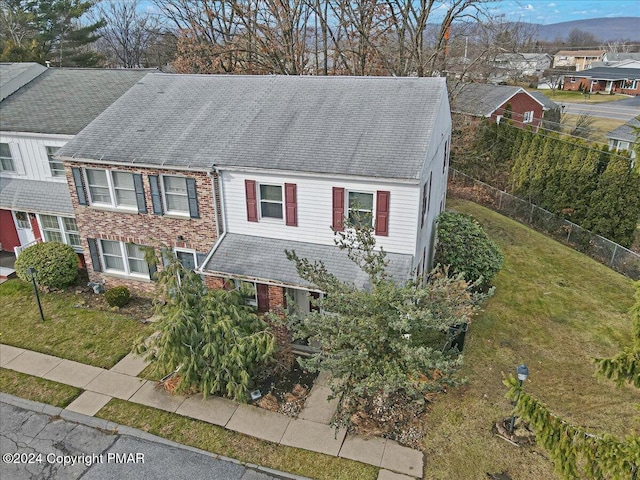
(611, 254)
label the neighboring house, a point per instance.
(516, 66)
(578, 59)
(495, 101)
(44, 109)
(234, 170)
(606, 80)
(624, 137)
(620, 60)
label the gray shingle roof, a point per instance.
(35, 196)
(546, 102)
(609, 73)
(64, 100)
(481, 99)
(369, 126)
(13, 76)
(625, 132)
(264, 258)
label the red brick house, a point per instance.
(605, 80)
(497, 101)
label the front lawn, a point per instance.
(211, 438)
(71, 331)
(553, 309)
(560, 96)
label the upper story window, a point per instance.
(56, 167)
(60, 229)
(360, 208)
(176, 198)
(115, 189)
(271, 201)
(528, 117)
(6, 160)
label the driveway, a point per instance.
(35, 445)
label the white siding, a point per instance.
(315, 203)
(29, 154)
(426, 235)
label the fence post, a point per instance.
(570, 230)
(531, 214)
(615, 249)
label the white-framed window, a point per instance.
(360, 208)
(56, 167)
(271, 203)
(630, 84)
(176, 198)
(6, 160)
(186, 257)
(123, 258)
(60, 229)
(250, 287)
(528, 117)
(498, 119)
(22, 220)
(113, 189)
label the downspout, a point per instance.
(215, 204)
(222, 216)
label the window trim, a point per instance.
(50, 160)
(259, 201)
(527, 117)
(236, 286)
(373, 204)
(123, 256)
(112, 190)
(165, 203)
(61, 229)
(187, 250)
(9, 158)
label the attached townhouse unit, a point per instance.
(605, 80)
(494, 102)
(43, 110)
(231, 171)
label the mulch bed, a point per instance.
(285, 392)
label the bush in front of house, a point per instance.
(56, 264)
(117, 296)
(466, 248)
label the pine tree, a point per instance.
(212, 338)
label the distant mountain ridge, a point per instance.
(604, 29)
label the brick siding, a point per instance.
(147, 229)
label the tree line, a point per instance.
(592, 187)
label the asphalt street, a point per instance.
(38, 446)
(620, 110)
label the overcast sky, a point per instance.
(555, 11)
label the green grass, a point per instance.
(577, 97)
(37, 389)
(87, 336)
(553, 309)
(236, 445)
(601, 126)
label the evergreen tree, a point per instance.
(615, 204)
(212, 338)
(49, 30)
(386, 339)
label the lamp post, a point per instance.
(32, 271)
(523, 373)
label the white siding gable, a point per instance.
(29, 152)
(315, 208)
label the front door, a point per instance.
(23, 227)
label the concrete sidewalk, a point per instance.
(310, 431)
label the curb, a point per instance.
(117, 429)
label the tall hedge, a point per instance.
(56, 264)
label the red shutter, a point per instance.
(263, 297)
(382, 213)
(252, 202)
(338, 209)
(291, 204)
